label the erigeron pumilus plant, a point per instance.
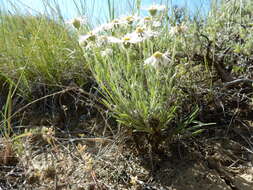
(137, 80)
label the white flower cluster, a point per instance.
(141, 33)
(127, 31)
(144, 28)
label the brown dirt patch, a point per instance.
(47, 159)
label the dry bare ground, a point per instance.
(53, 158)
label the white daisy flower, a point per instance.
(129, 19)
(127, 39)
(85, 39)
(157, 60)
(140, 34)
(109, 26)
(145, 33)
(105, 27)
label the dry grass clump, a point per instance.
(86, 163)
(78, 163)
(8, 155)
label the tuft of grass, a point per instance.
(37, 49)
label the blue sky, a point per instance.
(96, 9)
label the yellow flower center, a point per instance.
(129, 18)
(126, 39)
(139, 30)
(157, 55)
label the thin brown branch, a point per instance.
(237, 82)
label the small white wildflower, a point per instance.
(132, 38)
(123, 21)
(153, 9)
(145, 33)
(108, 26)
(127, 39)
(140, 30)
(129, 19)
(139, 35)
(84, 39)
(157, 60)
